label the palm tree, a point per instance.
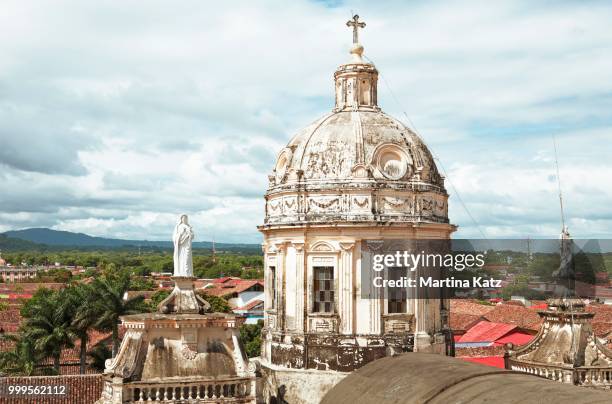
(48, 325)
(110, 304)
(22, 360)
(81, 304)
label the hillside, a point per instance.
(57, 238)
(16, 244)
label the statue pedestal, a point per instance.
(183, 299)
(180, 355)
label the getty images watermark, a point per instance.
(468, 268)
(408, 262)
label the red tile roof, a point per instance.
(602, 321)
(494, 361)
(466, 306)
(82, 389)
(520, 316)
(228, 286)
(250, 305)
(28, 287)
(461, 322)
(486, 331)
(516, 337)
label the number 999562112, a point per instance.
(31, 390)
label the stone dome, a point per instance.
(356, 163)
(348, 145)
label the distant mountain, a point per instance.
(16, 244)
(69, 239)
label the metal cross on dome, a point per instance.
(356, 24)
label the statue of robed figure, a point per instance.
(183, 299)
(182, 239)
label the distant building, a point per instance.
(17, 274)
(238, 292)
(253, 311)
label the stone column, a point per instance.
(345, 288)
(280, 284)
(422, 338)
(267, 280)
(300, 292)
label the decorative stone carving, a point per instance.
(392, 161)
(327, 160)
(360, 171)
(322, 324)
(321, 246)
(188, 353)
(275, 206)
(398, 323)
(347, 246)
(290, 204)
(397, 204)
(427, 206)
(183, 298)
(361, 202)
(440, 208)
(282, 163)
(324, 203)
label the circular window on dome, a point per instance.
(392, 162)
(281, 164)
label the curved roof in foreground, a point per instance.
(434, 379)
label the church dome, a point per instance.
(356, 163)
(350, 145)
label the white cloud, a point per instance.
(116, 117)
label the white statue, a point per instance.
(182, 239)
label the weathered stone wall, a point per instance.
(297, 386)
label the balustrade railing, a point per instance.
(593, 377)
(238, 390)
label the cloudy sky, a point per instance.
(116, 116)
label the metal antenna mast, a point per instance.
(559, 183)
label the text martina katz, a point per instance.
(431, 282)
(406, 261)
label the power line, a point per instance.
(435, 156)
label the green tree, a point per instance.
(81, 304)
(48, 325)
(250, 338)
(140, 283)
(109, 293)
(157, 298)
(22, 359)
(218, 304)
